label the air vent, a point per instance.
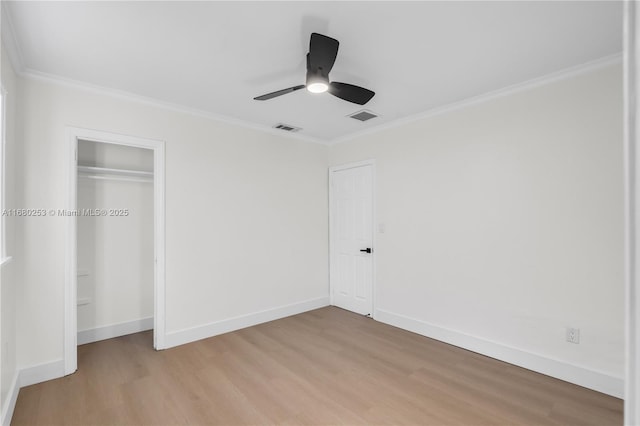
(363, 115)
(287, 127)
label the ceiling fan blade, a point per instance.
(279, 93)
(349, 92)
(322, 52)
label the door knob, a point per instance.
(367, 250)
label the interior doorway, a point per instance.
(352, 237)
(115, 239)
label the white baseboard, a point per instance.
(9, 404)
(26, 377)
(114, 330)
(188, 335)
(41, 373)
(601, 382)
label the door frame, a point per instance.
(374, 222)
(74, 134)
(632, 212)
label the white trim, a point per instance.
(189, 335)
(41, 373)
(18, 65)
(71, 280)
(28, 376)
(632, 212)
(9, 404)
(15, 56)
(132, 97)
(374, 225)
(475, 100)
(159, 232)
(352, 165)
(71, 263)
(114, 330)
(596, 380)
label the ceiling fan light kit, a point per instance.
(318, 87)
(320, 59)
(317, 83)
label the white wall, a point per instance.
(115, 253)
(504, 221)
(8, 274)
(246, 221)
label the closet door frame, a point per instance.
(74, 135)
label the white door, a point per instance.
(351, 239)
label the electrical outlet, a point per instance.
(573, 335)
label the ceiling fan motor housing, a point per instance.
(317, 76)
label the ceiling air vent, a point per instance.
(286, 127)
(363, 115)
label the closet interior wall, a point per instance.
(115, 251)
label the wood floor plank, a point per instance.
(327, 366)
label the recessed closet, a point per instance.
(115, 240)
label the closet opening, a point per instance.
(114, 241)
(115, 251)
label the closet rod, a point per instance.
(119, 172)
(119, 178)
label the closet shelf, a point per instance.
(104, 173)
(119, 172)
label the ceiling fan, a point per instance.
(320, 59)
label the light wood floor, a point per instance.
(327, 366)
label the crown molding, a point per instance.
(16, 58)
(31, 74)
(10, 43)
(17, 63)
(9, 40)
(489, 96)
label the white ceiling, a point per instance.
(216, 56)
